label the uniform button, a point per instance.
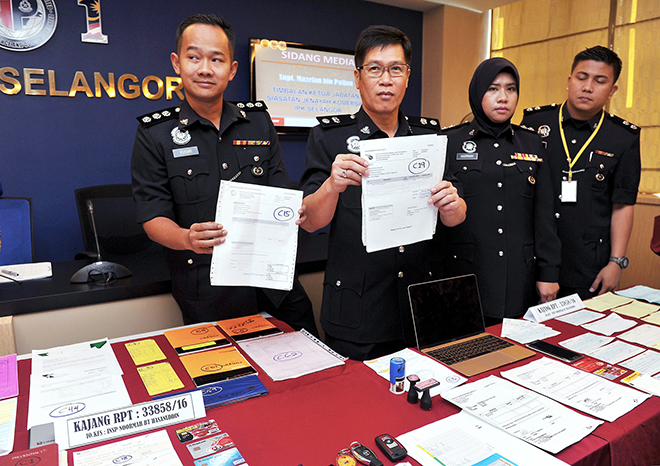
(256, 158)
(501, 253)
(499, 207)
(557, 215)
(496, 145)
(565, 178)
(454, 256)
(401, 249)
(338, 283)
(500, 231)
(430, 274)
(600, 241)
(499, 162)
(219, 139)
(225, 166)
(464, 168)
(499, 185)
(530, 169)
(190, 261)
(573, 141)
(602, 166)
(190, 171)
(400, 274)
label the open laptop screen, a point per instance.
(446, 310)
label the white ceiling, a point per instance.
(424, 5)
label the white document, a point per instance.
(553, 309)
(262, 236)
(615, 352)
(606, 301)
(613, 323)
(581, 317)
(79, 360)
(7, 425)
(644, 334)
(529, 416)
(291, 355)
(575, 388)
(644, 382)
(422, 366)
(146, 450)
(524, 331)
(22, 272)
(637, 309)
(465, 440)
(402, 172)
(646, 363)
(585, 342)
(641, 292)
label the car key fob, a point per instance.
(365, 455)
(392, 449)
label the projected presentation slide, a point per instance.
(299, 83)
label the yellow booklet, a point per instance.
(248, 327)
(216, 365)
(198, 338)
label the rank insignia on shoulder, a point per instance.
(626, 124)
(330, 121)
(251, 143)
(156, 117)
(602, 152)
(536, 109)
(423, 122)
(526, 157)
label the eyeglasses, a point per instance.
(397, 70)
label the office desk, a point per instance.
(307, 420)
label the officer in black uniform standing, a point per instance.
(180, 156)
(509, 239)
(595, 163)
(366, 311)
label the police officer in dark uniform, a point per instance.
(509, 238)
(366, 311)
(180, 156)
(595, 163)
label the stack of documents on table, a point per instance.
(641, 292)
(262, 236)
(466, 440)
(248, 327)
(581, 317)
(522, 413)
(22, 272)
(524, 331)
(291, 355)
(74, 380)
(606, 301)
(402, 171)
(422, 366)
(609, 325)
(197, 338)
(216, 365)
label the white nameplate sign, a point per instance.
(121, 422)
(558, 307)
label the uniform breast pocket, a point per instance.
(254, 162)
(468, 172)
(600, 169)
(189, 179)
(525, 172)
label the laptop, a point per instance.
(449, 327)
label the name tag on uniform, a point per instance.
(569, 191)
(464, 156)
(185, 152)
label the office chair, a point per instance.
(16, 245)
(114, 214)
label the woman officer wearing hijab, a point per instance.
(509, 238)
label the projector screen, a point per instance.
(300, 82)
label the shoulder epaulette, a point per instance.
(423, 122)
(527, 128)
(621, 122)
(156, 117)
(257, 105)
(540, 109)
(453, 127)
(336, 120)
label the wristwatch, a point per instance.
(620, 261)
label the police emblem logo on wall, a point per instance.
(26, 24)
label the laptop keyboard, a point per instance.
(469, 349)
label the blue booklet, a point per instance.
(228, 391)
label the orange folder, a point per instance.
(200, 337)
(216, 365)
(248, 327)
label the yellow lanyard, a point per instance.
(571, 163)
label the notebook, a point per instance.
(449, 327)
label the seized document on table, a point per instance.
(402, 172)
(262, 236)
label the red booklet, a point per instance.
(43, 456)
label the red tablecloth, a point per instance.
(308, 419)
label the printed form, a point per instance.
(575, 388)
(522, 413)
(402, 172)
(262, 236)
